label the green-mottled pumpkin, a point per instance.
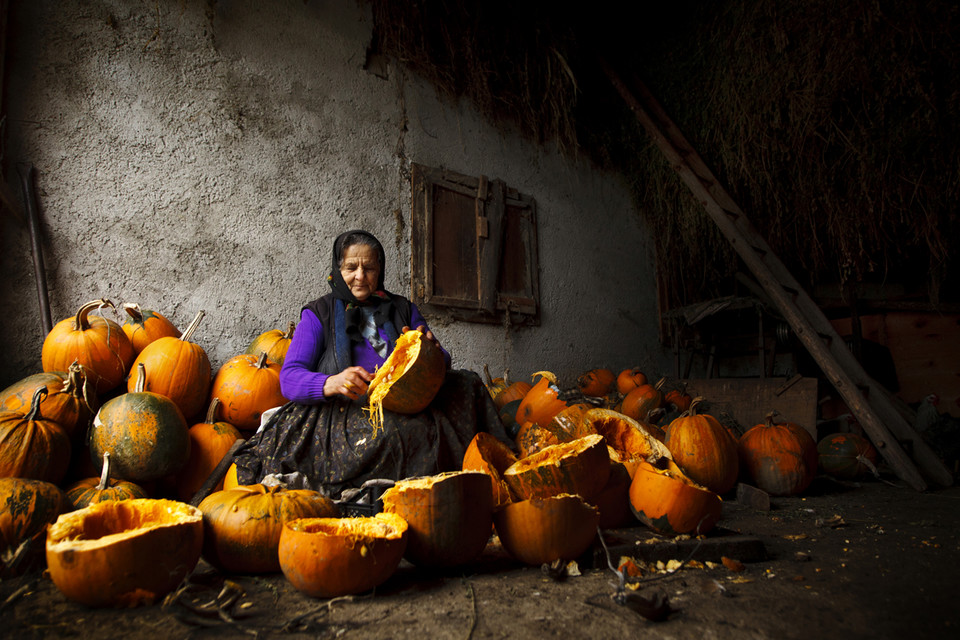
(71, 400)
(27, 507)
(145, 433)
(778, 457)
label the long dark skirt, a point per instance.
(330, 446)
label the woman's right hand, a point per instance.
(351, 382)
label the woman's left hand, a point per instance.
(427, 334)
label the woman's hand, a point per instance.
(428, 335)
(351, 382)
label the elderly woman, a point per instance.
(322, 438)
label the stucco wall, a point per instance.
(195, 155)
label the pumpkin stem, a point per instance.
(694, 404)
(134, 311)
(141, 378)
(185, 337)
(771, 416)
(212, 411)
(262, 362)
(290, 329)
(486, 374)
(80, 322)
(78, 385)
(38, 396)
(105, 472)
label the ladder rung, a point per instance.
(733, 215)
(759, 251)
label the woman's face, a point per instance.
(360, 268)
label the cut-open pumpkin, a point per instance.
(543, 530)
(581, 467)
(669, 502)
(330, 557)
(124, 553)
(408, 380)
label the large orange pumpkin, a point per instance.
(242, 526)
(71, 400)
(670, 503)
(178, 369)
(409, 379)
(96, 343)
(210, 440)
(247, 385)
(779, 457)
(145, 433)
(450, 516)
(143, 326)
(579, 467)
(543, 530)
(331, 557)
(93, 490)
(32, 446)
(489, 455)
(274, 343)
(703, 449)
(124, 553)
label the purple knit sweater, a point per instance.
(299, 380)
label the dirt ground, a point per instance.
(846, 560)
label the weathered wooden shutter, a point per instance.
(473, 247)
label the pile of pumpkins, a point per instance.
(120, 413)
(606, 448)
(573, 467)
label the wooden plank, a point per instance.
(491, 246)
(749, 400)
(804, 316)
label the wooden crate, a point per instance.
(749, 400)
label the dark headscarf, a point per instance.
(379, 298)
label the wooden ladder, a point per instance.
(868, 401)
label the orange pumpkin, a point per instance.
(96, 343)
(71, 400)
(639, 402)
(124, 553)
(178, 369)
(242, 526)
(512, 393)
(543, 530)
(450, 516)
(630, 379)
(597, 382)
(669, 502)
(541, 403)
(569, 424)
(703, 448)
(579, 467)
(210, 440)
(678, 399)
(247, 385)
(409, 379)
(489, 455)
(331, 557)
(779, 457)
(274, 343)
(93, 490)
(32, 446)
(143, 326)
(145, 433)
